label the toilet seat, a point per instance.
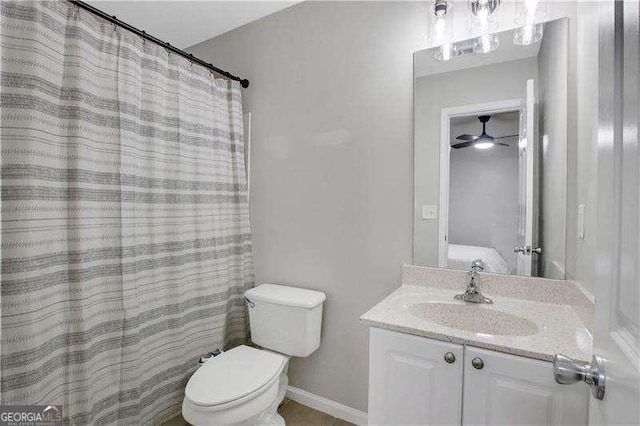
(233, 377)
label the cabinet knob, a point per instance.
(477, 363)
(450, 357)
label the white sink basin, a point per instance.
(474, 318)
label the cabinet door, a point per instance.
(509, 390)
(411, 383)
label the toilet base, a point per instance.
(270, 419)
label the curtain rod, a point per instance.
(243, 81)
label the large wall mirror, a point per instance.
(490, 155)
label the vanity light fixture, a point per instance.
(529, 34)
(440, 22)
(440, 19)
(486, 43)
(441, 7)
(446, 52)
(454, 50)
(483, 23)
(483, 7)
(529, 13)
(483, 16)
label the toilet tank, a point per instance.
(285, 319)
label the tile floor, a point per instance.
(294, 414)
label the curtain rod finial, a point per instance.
(244, 83)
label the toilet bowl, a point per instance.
(245, 385)
(241, 386)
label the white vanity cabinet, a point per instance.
(410, 382)
(502, 389)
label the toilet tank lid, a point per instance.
(285, 295)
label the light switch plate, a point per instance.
(581, 221)
(429, 212)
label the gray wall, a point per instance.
(465, 87)
(483, 191)
(552, 108)
(331, 93)
(331, 195)
(583, 165)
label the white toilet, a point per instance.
(244, 385)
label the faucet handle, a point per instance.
(477, 264)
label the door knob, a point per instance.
(568, 371)
(527, 250)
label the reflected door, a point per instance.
(526, 179)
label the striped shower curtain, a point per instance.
(126, 245)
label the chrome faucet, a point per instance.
(473, 295)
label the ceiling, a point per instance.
(185, 23)
(511, 117)
(500, 124)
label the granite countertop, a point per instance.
(553, 322)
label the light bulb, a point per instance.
(483, 145)
(486, 43)
(531, 5)
(440, 26)
(446, 52)
(483, 16)
(530, 11)
(528, 34)
(439, 23)
(440, 8)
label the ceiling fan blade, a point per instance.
(462, 145)
(502, 144)
(508, 136)
(467, 138)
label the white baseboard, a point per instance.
(327, 406)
